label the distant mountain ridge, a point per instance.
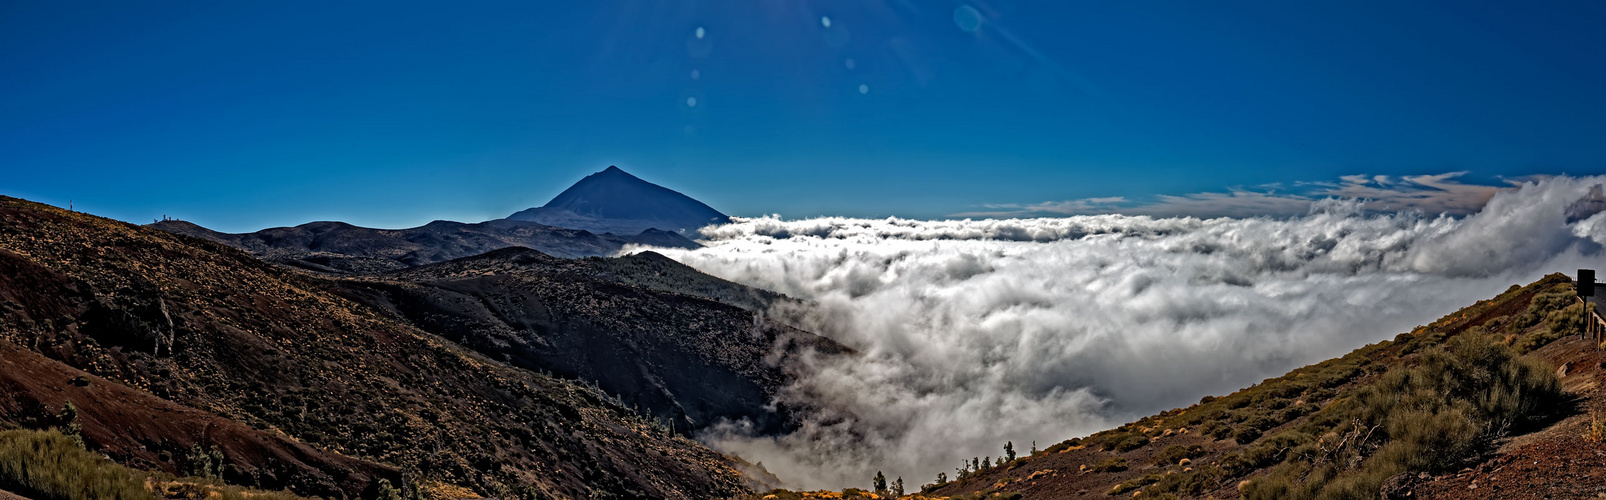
(613, 201)
(339, 247)
(597, 216)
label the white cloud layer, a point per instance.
(972, 333)
(1430, 194)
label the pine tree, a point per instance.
(880, 483)
(1034, 448)
(1009, 451)
(897, 487)
(942, 478)
(987, 463)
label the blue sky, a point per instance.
(240, 116)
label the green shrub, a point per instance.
(1135, 483)
(1189, 484)
(1064, 445)
(1245, 434)
(1426, 418)
(1175, 453)
(1116, 464)
(1559, 323)
(1123, 441)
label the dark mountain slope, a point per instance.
(613, 201)
(686, 359)
(341, 247)
(206, 326)
(147, 432)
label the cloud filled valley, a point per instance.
(974, 333)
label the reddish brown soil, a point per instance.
(136, 428)
(1557, 461)
(170, 322)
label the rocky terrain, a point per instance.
(644, 327)
(167, 344)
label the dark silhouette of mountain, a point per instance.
(344, 248)
(643, 326)
(166, 342)
(613, 201)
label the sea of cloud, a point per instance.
(974, 333)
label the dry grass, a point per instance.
(49, 465)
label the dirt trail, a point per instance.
(1558, 461)
(6, 495)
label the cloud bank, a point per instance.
(1431, 194)
(973, 333)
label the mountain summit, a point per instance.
(613, 201)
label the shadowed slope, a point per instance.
(206, 326)
(617, 322)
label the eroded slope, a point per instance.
(208, 327)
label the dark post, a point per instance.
(1586, 282)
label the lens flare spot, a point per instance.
(825, 21)
(967, 18)
(700, 33)
(696, 74)
(849, 63)
(691, 102)
(864, 89)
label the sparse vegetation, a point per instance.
(1424, 402)
(1426, 418)
(1176, 453)
(1123, 441)
(49, 465)
(1136, 483)
(1115, 464)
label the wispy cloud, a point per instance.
(1432, 194)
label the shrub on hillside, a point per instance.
(48, 465)
(1426, 418)
(1135, 483)
(1175, 453)
(1116, 464)
(1123, 441)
